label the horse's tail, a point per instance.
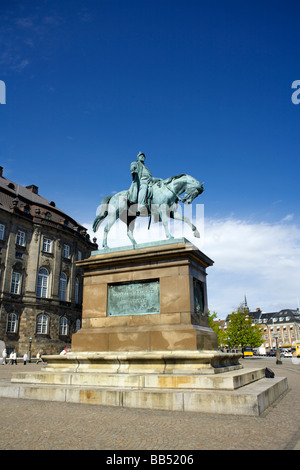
(102, 213)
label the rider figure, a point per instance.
(142, 178)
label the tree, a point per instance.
(215, 326)
(240, 331)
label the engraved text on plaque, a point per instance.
(133, 298)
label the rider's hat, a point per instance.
(140, 154)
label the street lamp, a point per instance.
(278, 360)
(29, 355)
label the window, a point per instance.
(47, 245)
(63, 326)
(79, 255)
(15, 283)
(12, 323)
(77, 286)
(63, 284)
(42, 324)
(42, 284)
(2, 230)
(20, 238)
(66, 251)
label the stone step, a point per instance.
(226, 381)
(251, 399)
(145, 362)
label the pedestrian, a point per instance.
(10, 362)
(4, 355)
(38, 357)
(25, 357)
(64, 352)
(15, 358)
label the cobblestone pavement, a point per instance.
(40, 425)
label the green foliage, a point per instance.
(240, 332)
(215, 326)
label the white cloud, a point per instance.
(257, 259)
(260, 260)
(20, 65)
(288, 218)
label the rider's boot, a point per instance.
(142, 210)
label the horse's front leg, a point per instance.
(177, 216)
(130, 228)
(165, 215)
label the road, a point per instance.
(39, 425)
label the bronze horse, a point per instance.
(165, 195)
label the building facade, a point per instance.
(278, 328)
(40, 284)
(281, 327)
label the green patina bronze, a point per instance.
(199, 302)
(133, 298)
(148, 197)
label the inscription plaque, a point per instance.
(133, 298)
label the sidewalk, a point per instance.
(40, 425)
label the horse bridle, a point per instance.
(177, 196)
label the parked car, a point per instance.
(287, 354)
(272, 353)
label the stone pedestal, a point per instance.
(145, 341)
(153, 298)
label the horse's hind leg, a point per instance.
(110, 222)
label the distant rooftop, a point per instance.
(284, 315)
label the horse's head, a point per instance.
(193, 189)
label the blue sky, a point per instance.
(201, 87)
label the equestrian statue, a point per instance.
(147, 197)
